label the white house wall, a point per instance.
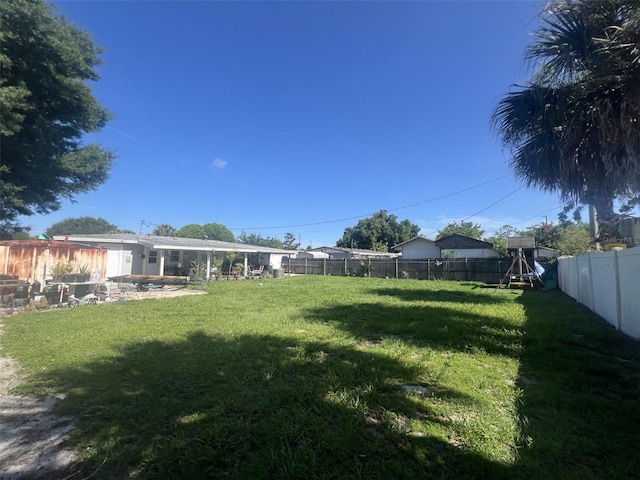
(420, 249)
(119, 262)
(274, 261)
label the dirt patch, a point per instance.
(32, 438)
(165, 292)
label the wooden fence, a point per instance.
(487, 270)
(33, 259)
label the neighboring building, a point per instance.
(460, 246)
(418, 247)
(130, 253)
(312, 255)
(339, 253)
(545, 253)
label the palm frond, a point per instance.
(575, 127)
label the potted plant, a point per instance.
(217, 263)
(237, 269)
(61, 270)
(196, 271)
(231, 257)
(84, 273)
(69, 276)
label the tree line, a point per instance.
(380, 232)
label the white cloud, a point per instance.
(219, 164)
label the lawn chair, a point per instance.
(256, 272)
(126, 289)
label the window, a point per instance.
(175, 256)
(153, 256)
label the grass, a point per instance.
(320, 377)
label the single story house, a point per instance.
(339, 253)
(418, 247)
(461, 246)
(130, 253)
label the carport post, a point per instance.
(161, 268)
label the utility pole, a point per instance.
(142, 224)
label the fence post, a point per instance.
(345, 266)
(592, 292)
(616, 270)
(324, 267)
(428, 269)
(306, 261)
(396, 268)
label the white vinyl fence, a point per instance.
(608, 283)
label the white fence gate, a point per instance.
(608, 283)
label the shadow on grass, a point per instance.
(580, 379)
(449, 324)
(254, 407)
(444, 295)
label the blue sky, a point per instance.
(303, 117)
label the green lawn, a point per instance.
(327, 377)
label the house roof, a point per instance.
(549, 251)
(354, 251)
(414, 239)
(457, 241)
(157, 242)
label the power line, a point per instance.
(494, 203)
(364, 215)
(559, 206)
(487, 207)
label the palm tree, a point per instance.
(574, 128)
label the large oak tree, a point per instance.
(208, 231)
(80, 225)
(379, 232)
(46, 107)
(468, 229)
(259, 240)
